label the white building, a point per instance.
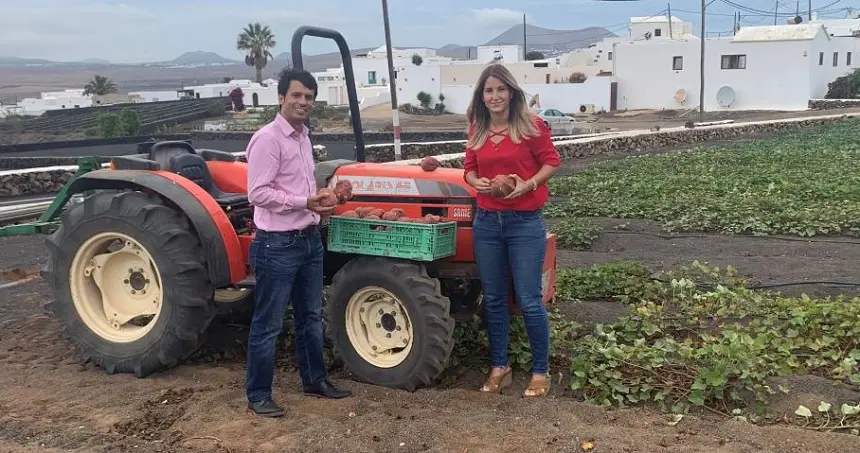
(253, 93)
(659, 27)
(777, 67)
(54, 100)
(598, 57)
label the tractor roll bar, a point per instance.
(354, 113)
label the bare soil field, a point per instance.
(50, 401)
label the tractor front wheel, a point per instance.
(130, 287)
(389, 322)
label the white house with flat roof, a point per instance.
(777, 67)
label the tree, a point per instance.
(535, 55)
(258, 41)
(99, 85)
(425, 99)
(417, 60)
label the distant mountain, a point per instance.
(315, 63)
(457, 52)
(551, 41)
(200, 58)
(96, 61)
(16, 61)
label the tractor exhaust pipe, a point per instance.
(352, 93)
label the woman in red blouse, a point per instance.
(509, 232)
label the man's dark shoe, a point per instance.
(266, 408)
(325, 389)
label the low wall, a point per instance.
(624, 142)
(827, 104)
(34, 181)
(39, 146)
(49, 179)
(343, 137)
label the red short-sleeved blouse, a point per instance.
(523, 159)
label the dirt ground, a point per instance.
(50, 401)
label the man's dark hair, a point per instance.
(299, 75)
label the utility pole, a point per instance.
(525, 48)
(810, 11)
(775, 10)
(395, 117)
(702, 68)
(669, 12)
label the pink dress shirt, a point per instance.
(281, 177)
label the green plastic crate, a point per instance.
(414, 241)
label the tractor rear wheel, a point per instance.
(389, 322)
(130, 287)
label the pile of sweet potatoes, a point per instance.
(394, 215)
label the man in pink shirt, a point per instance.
(287, 251)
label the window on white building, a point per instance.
(657, 32)
(734, 62)
(848, 58)
(821, 59)
(835, 58)
(677, 63)
(609, 56)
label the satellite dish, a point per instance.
(725, 96)
(681, 96)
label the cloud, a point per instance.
(498, 17)
(66, 30)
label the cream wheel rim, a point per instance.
(116, 287)
(378, 327)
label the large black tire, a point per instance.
(427, 310)
(186, 303)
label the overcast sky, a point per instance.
(159, 30)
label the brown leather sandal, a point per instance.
(495, 384)
(537, 387)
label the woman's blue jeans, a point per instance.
(513, 244)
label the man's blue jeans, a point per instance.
(513, 243)
(289, 268)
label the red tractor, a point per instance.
(140, 267)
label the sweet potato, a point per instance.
(502, 185)
(351, 214)
(363, 212)
(429, 163)
(399, 212)
(343, 191)
(329, 198)
(390, 215)
(372, 217)
(377, 212)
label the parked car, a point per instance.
(557, 121)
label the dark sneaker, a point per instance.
(325, 389)
(266, 408)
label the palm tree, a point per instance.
(100, 85)
(257, 40)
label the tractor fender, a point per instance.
(221, 247)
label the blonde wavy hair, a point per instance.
(520, 121)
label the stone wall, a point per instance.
(827, 104)
(36, 179)
(345, 137)
(617, 144)
(40, 181)
(33, 183)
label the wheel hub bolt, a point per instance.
(381, 311)
(388, 335)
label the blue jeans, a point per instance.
(289, 268)
(513, 244)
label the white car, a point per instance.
(556, 121)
